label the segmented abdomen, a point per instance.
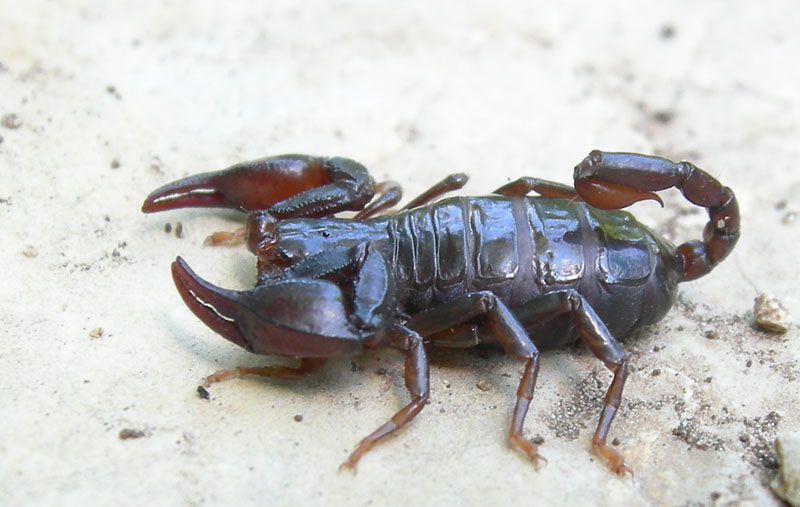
(520, 247)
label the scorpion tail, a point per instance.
(616, 180)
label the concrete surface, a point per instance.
(113, 99)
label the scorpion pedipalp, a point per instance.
(298, 317)
(286, 185)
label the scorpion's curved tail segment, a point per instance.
(286, 185)
(615, 180)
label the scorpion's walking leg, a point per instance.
(389, 194)
(602, 344)
(418, 385)
(523, 186)
(392, 195)
(502, 324)
(448, 184)
(307, 365)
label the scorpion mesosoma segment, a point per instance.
(522, 271)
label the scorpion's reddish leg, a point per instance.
(603, 345)
(417, 383)
(523, 186)
(389, 194)
(615, 180)
(307, 365)
(450, 183)
(596, 335)
(507, 330)
(226, 238)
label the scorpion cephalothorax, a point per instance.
(524, 272)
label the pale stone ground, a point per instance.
(414, 91)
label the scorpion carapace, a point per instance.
(524, 272)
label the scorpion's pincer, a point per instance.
(218, 308)
(282, 318)
(257, 184)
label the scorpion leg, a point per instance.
(384, 202)
(389, 194)
(307, 365)
(602, 344)
(591, 330)
(418, 385)
(448, 184)
(523, 186)
(233, 238)
(509, 333)
(615, 180)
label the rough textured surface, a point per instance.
(104, 101)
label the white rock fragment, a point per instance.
(787, 484)
(770, 315)
(30, 251)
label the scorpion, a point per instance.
(525, 272)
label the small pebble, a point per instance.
(667, 32)
(11, 121)
(114, 163)
(96, 333)
(484, 384)
(770, 314)
(30, 251)
(129, 433)
(203, 392)
(787, 484)
(298, 418)
(789, 218)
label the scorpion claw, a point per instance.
(287, 185)
(216, 307)
(294, 317)
(257, 184)
(192, 192)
